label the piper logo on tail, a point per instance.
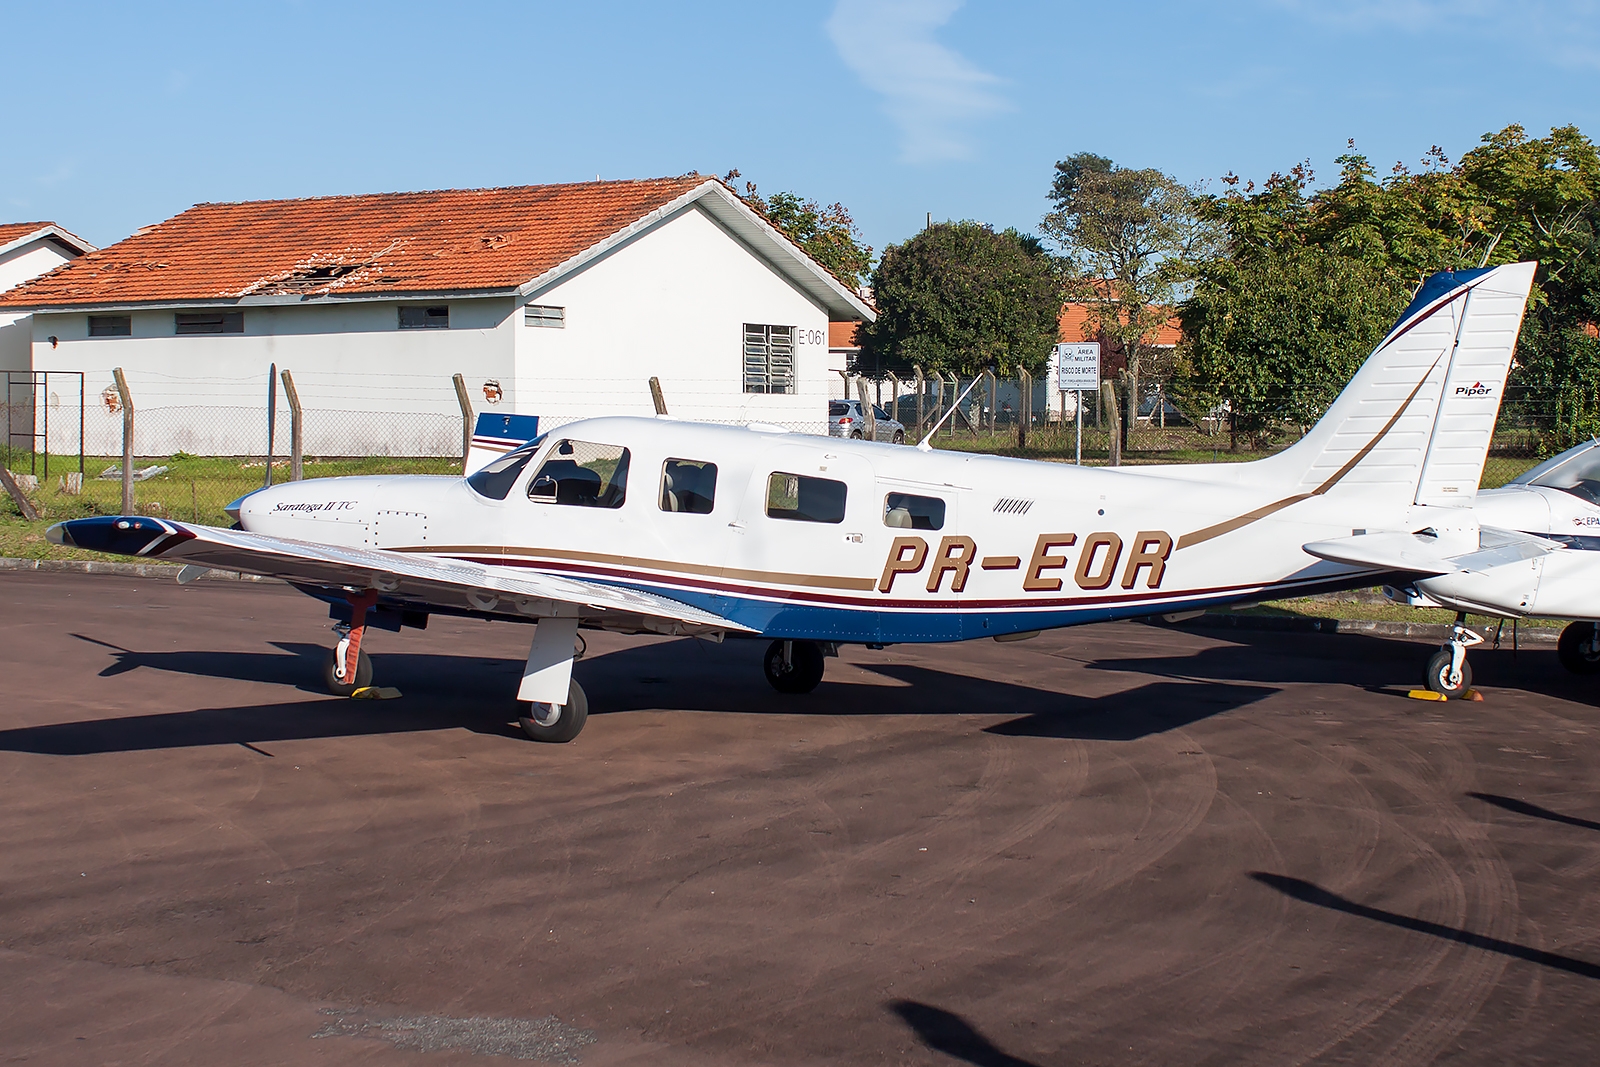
(1475, 389)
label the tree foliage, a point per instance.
(959, 297)
(1130, 238)
(1263, 326)
(828, 234)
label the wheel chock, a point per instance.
(1429, 694)
(372, 692)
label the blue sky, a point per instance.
(122, 115)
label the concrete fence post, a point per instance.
(296, 425)
(466, 418)
(866, 409)
(922, 391)
(127, 439)
(1024, 406)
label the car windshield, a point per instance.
(1575, 471)
(837, 408)
(498, 476)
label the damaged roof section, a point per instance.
(460, 240)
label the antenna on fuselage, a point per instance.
(924, 445)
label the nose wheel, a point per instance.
(1449, 674)
(793, 666)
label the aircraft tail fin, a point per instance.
(1417, 419)
(496, 434)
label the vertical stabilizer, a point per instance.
(1415, 422)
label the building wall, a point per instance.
(671, 303)
(368, 387)
(16, 267)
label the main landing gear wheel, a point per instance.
(1440, 678)
(557, 723)
(1449, 673)
(793, 666)
(1579, 648)
(343, 687)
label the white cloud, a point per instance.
(930, 92)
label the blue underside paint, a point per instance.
(120, 535)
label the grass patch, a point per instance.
(1374, 607)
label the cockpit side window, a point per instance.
(496, 477)
(688, 486)
(582, 473)
(1579, 474)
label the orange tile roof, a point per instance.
(452, 240)
(843, 334)
(10, 231)
(1075, 327)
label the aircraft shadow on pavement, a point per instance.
(1310, 893)
(1352, 659)
(1522, 807)
(946, 1032)
(475, 693)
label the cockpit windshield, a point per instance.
(1575, 471)
(498, 476)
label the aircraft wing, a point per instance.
(399, 574)
(1420, 553)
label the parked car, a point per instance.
(846, 419)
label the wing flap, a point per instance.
(1422, 553)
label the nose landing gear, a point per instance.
(347, 668)
(1449, 673)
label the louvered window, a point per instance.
(768, 359)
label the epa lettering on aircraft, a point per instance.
(1098, 559)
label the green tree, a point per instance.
(1131, 238)
(828, 234)
(1369, 242)
(958, 297)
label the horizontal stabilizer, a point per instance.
(1425, 552)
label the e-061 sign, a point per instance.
(1078, 367)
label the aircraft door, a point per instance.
(805, 532)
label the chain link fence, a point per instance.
(191, 459)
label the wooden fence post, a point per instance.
(127, 439)
(297, 469)
(657, 397)
(922, 392)
(866, 410)
(466, 419)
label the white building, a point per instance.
(560, 301)
(27, 250)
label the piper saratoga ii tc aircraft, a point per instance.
(648, 525)
(1538, 556)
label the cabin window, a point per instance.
(110, 325)
(495, 479)
(903, 511)
(436, 317)
(209, 322)
(803, 499)
(768, 359)
(688, 485)
(582, 473)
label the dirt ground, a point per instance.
(1114, 844)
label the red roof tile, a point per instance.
(843, 334)
(10, 231)
(453, 240)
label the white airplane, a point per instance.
(648, 525)
(1536, 558)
